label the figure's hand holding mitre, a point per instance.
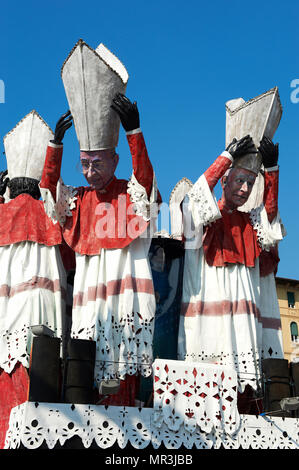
(244, 146)
(127, 112)
(3, 182)
(62, 125)
(269, 152)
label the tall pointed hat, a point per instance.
(176, 198)
(91, 79)
(258, 117)
(26, 145)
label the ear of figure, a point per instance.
(223, 181)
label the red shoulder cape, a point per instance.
(102, 220)
(24, 219)
(232, 239)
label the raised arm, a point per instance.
(269, 152)
(215, 172)
(235, 149)
(129, 116)
(52, 167)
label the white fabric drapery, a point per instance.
(230, 315)
(32, 292)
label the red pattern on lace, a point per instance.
(195, 396)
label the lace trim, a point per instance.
(35, 424)
(49, 204)
(66, 197)
(268, 234)
(248, 374)
(195, 395)
(144, 207)
(15, 347)
(65, 201)
(125, 346)
(202, 203)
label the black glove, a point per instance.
(61, 127)
(269, 152)
(127, 111)
(244, 146)
(3, 182)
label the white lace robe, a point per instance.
(230, 315)
(113, 297)
(32, 292)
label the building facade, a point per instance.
(288, 299)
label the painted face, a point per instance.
(98, 167)
(237, 187)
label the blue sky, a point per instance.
(185, 60)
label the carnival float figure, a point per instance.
(32, 275)
(230, 313)
(107, 223)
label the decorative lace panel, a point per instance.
(65, 197)
(195, 395)
(255, 432)
(34, 424)
(132, 347)
(247, 365)
(125, 346)
(203, 203)
(144, 207)
(65, 202)
(49, 204)
(15, 346)
(268, 234)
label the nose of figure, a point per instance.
(90, 171)
(244, 187)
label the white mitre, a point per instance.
(91, 79)
(258, 117)
(175, 200)
(26, 145)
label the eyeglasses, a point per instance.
(96, 165)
